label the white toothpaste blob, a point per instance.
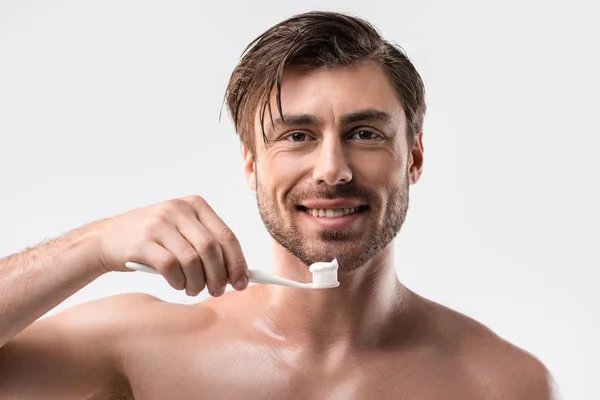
(324, 273)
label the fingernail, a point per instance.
(242, 282)
(220, 292)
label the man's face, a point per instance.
(332, 181)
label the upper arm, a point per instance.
(74, 354)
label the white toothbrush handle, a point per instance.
(141, 267)
(256, 276)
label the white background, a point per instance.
(110, 105)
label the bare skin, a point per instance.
(369, 338)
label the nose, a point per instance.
(331, 165)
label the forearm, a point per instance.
(36, 280)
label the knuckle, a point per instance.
(238, 266)
(167, 209)
(176, 205)
(195, 200)
(163, 210)
(208, 246)
(227, 236)
(155, 222)
(189, 256)
(198, 199)
(167, 262)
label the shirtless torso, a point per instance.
(332, 180)
(145, 348)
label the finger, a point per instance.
(233, 256)
(215, 273)
(189, 260)
(152, 253)
(210, 252)
(191, 230)
(194, 278)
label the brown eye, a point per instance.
(297, 137)
(366, 135)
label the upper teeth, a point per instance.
(330, 212)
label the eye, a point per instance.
(297, 137)
(365, 134)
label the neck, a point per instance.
(364, 311)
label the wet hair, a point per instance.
(316, 40)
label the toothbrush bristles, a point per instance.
(325, 277)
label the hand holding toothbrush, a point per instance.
(184, 240)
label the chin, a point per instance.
(348, 254)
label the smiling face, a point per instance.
(332, 180)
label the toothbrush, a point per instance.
(324, 275)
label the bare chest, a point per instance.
(243, 371)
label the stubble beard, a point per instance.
(352, 249)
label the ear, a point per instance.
(249, 168)
(416, 160)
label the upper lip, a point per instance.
(331, 203)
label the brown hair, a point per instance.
(314, 40)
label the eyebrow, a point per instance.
(368, 115)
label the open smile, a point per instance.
(332, 212)
(333, 219)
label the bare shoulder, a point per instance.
(122, 318)
(70, 354)
(106, 320)
(498, 367)
(94, 326)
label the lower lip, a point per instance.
(333, 223)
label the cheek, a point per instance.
(278, 175)
(381, 168)
(286, 167)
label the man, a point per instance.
(330, 117)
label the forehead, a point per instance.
(331, 93)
